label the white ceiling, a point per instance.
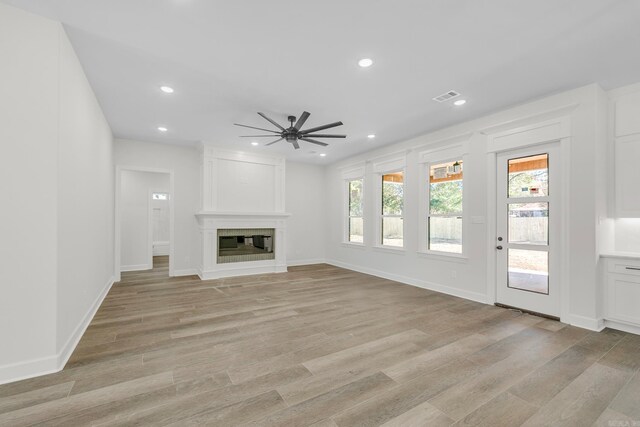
(229, 59)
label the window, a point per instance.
(355, 232)
(391, 209)
(444, 219)
(160, 196)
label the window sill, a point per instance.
(443, 256)
(390, 249)
(353, 245)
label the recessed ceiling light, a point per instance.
(371, 136)
(365, 62)
(166, 89)
(162, 129)
(254, 143)
(323, 154)
(460, 102)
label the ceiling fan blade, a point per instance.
(253, 127)
(317, 135)
(330, 125)
(324, 144)
(303, 118)
(295, 144)
(270, 121)
(257, 136)
(271, 143)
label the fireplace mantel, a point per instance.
(249, 215)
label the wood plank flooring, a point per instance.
(325, 346)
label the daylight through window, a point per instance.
(392, 207)
(444, 223)
(355, 233)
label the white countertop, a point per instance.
(620, 254)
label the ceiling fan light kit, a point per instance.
(294, 132)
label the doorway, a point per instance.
(144, 221)
(528, 217)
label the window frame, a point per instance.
(353, 172)
(460, 215)
(347, 205)
(430, 158)
(380, 213)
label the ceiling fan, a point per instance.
(294, 132)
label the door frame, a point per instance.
(548, 304)
(557, 130)
(117, 217)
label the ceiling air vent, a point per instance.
(446, 96)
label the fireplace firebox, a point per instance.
(246, 244)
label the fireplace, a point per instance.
(242, 221)
(245, 244)
(240, 243)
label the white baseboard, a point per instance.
(29, 369)
(297, 262)
(50, 364)
(461, 293)
(74, 339)
(137, 267)
(626, 327)
(185, 272)
(584, 322)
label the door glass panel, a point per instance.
(392, 231)
(529, 176)
(529, 223)
(445, 234)
(356, 230)
(529, 270)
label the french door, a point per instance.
(528, 215)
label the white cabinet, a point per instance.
(627, 176)
(622, 291)
(627, 153)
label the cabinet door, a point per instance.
(623, 298)
(627, 176)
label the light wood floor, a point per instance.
(325, 346)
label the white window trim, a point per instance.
(384, 167)
(427, 159)
(346, 215)
(352, 172)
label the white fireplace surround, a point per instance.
(241, 190)
(211, 222)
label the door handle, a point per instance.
(499, 248)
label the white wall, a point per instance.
(305, 201)
(585, 108)
(245, 186)
(185, 164)
(135, 217)
(56, 169)
(85, 200)
(29, 105)
(627, 234)
(160, 221)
